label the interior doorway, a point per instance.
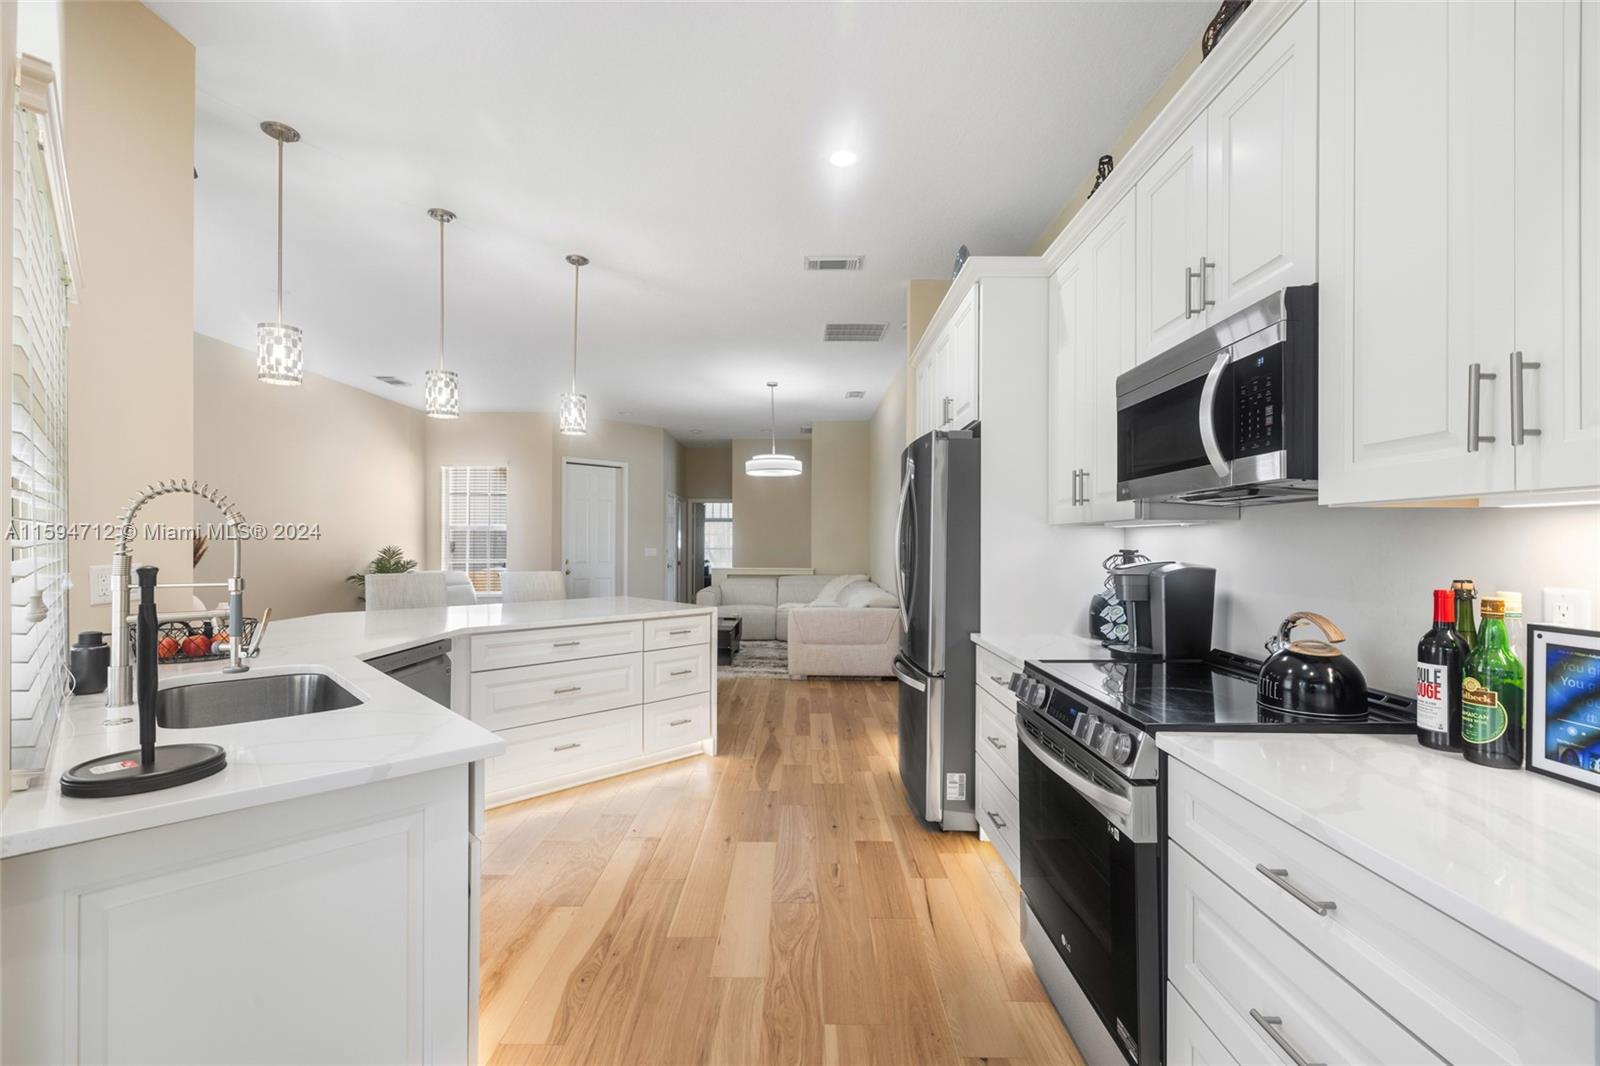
(593, 527)
(674, 541)
(710, 541)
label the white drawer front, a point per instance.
(1189, 1042)
(525, 695)
(998, 814)
(1422, 966)
(676, 672)
(673, 723)
(526, 647)
(994, 674)
(553, 749)
(1228, 961)
(677, 632)
(997, 736)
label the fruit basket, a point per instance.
(193, 637)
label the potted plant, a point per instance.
(391, 559)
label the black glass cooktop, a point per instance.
(1216, 693)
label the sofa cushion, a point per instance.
(759, 621)
(836, 584)
(759, 591)
(800, 588)
(866, 594)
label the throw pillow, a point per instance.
(836, 585)
(865, 594)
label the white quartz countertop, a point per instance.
(1512, 854)
(1018, 648)
(394, 732)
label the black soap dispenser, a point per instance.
(91, 661)
(148, 768)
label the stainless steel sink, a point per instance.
(249, 699)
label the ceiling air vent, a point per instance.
(390, 379)
(833, 262)
(856, 394)
(854, 331)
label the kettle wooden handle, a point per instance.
(1334, 634)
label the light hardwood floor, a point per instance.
(775, 904)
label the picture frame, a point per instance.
(1563, 704)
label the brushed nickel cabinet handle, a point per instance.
(1519, 417)
(680, 721)
(996, 741)
(1475, 378)
(1205, 301)
(568, 747)
(568, 690)
(1280, 877)
(997, 679)
(948, 407)
(682, 673)
(679, 632)
(566, 644)
(1273, 1026)
(999, 822)
(1188, 291)
(1083, 485)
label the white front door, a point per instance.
(589, 518)
(672, 547)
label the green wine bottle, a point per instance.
(1492, 694)
(1466, 625)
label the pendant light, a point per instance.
(441, 389)
(279, 360)
(773, 463)
(574, 404)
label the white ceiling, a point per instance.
(683, 148)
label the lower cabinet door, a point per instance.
(550, 750)
(674, 723)
(997, 810)
(676, 672)
(1265, 997)
(1189, 1042)
(526, 695)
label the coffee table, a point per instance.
(728, 633)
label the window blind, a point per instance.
(475, 533)
(37, 543)
(719, 535)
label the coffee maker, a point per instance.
(1170, 607)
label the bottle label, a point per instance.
(1483, 716)
(1433, 698)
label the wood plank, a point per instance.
(795, 878)
(742, 940)
(973, 992)
(851, 977)
(996, 928)
(917, 1028)
(791, 1017)
(503, 991)
(736, 1038)
(831, 816)
(847, 1045)
(823, 752)
(676, 1011)
(882, 879)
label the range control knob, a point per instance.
(1086, 728)
(1121, 751)
(1015, 684)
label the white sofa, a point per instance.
(855, 635)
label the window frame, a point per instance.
(494, 565)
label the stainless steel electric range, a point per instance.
(1088, 775)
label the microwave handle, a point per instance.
(1208, 414)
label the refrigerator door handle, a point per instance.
(911, 682)
(900, 579)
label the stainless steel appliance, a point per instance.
(1091, 851)
(1229, 416)
(1169, 609)
(424, 669)
(936, 578)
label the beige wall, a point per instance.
(343, 459)
(1186, 65)
(840, 484)
(129, 132)
(522, 442)
(644, 449)
(922, 300)
(771, 515)
(708, 472)
(886, 439)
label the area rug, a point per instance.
(758, 658)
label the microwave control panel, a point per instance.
(1258, 402)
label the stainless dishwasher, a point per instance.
(424, 669)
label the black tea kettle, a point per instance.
(1311, 678)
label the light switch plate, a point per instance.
(1573, 608)
(99, 584)
(649, 553)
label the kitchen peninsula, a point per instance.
(320, 875)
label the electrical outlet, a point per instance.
(99, 584)
(649, 553)
(1573, 608)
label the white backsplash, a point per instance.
(1371, 569)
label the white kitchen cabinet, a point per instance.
(1189, 1042)
(927, 394)
(1227, 214)
(1450, 175)
(328, 928)
(1171, 199)
(1067, 432)
(962, 363)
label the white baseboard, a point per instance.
(545, 786)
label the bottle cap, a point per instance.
(1444, 605)
(1513, 602)
(1464, 584)
(1492, 607)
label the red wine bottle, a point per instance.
(1441, 658)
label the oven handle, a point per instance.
(1119, 807)
(1208, 413)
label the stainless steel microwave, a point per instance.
(1230, 415)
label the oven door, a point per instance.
(1092, 884)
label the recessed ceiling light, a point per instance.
(696, 432)
(844, 157)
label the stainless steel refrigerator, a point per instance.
(937, 581)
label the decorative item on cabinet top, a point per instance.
(1221, 23)
(1102, 171)
(962, 255)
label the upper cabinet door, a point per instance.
(1110, 250)
(1557, 407)
(1261, 233)
(963, 333)
(941, 381)
(927, 403)
(1066, 427)
(1171, 210)
(1416, 246)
